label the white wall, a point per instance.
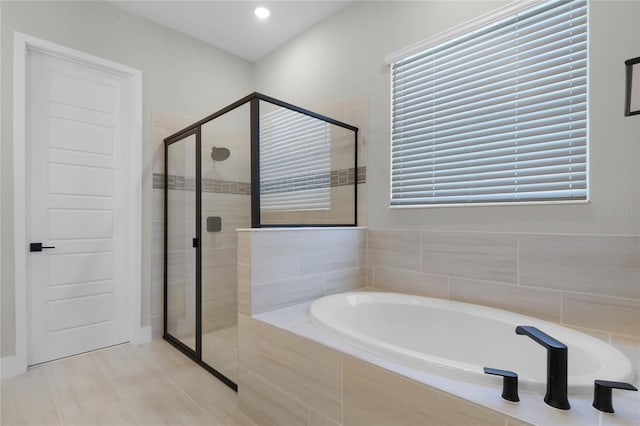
(342, 57)
(338, 59)
(180, 75)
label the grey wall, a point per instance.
(180, 74)
(343, 57)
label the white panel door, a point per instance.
(77, 124)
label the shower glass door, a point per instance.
(180, 232)
(258, 162)
(226, 206)
(208, 197)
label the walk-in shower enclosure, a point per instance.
(259, 162)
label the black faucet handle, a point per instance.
(602, 397)
(509, 383)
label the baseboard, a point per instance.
(157, 327)
(11, 366)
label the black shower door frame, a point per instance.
(195, 355)
(196, 129)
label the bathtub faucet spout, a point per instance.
(556, 395)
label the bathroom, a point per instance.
(337, 68)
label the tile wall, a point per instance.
(587, 282)
(591, 283)
(288, 379)
(163, 125)
(285, 379)
(354, 111)
(284, 267)
(226, 193)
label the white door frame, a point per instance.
(133, 199)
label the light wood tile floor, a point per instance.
(150, 384)
(220, 350)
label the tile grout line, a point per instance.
(177, 386)
(518, 259)
(118, 388)
(342, 389)
(53, 397)
(420, 256)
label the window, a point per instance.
(295, 161)
(497, 114)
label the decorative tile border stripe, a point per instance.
(217, 186)
(362, 175)
(180, 183)
(335, 178)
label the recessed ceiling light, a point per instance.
(262, 12)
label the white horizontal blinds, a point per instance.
(295, 161)
(496, 115)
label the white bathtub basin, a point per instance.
(459, 339)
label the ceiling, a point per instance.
(232, 25)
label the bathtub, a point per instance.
(457, 339)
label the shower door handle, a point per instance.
(194, 243)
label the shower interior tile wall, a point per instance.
(230, 202)
(163, 125)
(352, 111)
(219, 262)
(226, 194)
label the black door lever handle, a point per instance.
(39, 247)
